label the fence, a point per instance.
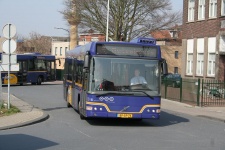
(198, 92)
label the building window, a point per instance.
(223, 8)
(222, 43)
(95, 39)
(212, 8)
(200, 63)
(176, 54)
(173, 34)
(211, 56)
(66, 49)
(189, 64)
(175, 69)
(201, 9)
(191, 10)
(211, 64)
(60, 51)
(55, 51)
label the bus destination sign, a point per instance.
(126, 50)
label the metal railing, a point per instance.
(198, 92)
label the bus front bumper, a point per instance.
(91, 114)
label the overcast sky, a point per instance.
(41, 16)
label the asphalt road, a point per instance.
(65, 131)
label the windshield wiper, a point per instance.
(148, 95)
(144, 93)
(113, 93)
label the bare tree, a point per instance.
(35, 43)
(72, 15)
(128, 18)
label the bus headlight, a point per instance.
(89, 108)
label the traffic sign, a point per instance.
(9, 46)
(13, 67)
(9, 31)
(6, 59)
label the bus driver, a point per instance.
(137, 79)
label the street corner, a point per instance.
(23, 119)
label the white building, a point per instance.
(59, 49)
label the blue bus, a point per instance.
(34, 68)
(97, 80)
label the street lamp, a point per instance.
(68, 34)
(107, 24)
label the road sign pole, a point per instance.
(9, 46)
(9, 80)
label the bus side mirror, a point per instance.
(86, 60)
(164, 67)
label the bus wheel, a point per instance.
(39, 81)
(67, 100)
(81, 116)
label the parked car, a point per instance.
(173, 80)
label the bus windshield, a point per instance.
(125, 75)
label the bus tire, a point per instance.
(39, 80)
(67, 100)
(81, 116)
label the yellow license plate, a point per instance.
(124, 115)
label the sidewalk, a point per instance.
(215, 113)
(30, 115)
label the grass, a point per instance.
(4, 111)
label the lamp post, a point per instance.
(68, 34)
(107, 24)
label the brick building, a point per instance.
(90, 36)
(203, 39)
(170, 41)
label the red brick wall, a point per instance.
(201, 28)
(88, 37)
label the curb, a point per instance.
(44, 117)
(211, 118)
(195, 110)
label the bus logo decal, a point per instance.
(106, 99)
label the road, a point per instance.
(65, 131)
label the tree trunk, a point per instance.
(73, 36)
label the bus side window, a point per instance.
(70, 72)
(80, 73)
(41, 65)
(66, 70)
(24, 66)
(77, 74)
(31, 66)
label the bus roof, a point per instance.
(80, 51)
(29, 56)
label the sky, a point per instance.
(41, 16)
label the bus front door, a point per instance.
(82, 103)
(22, 74)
